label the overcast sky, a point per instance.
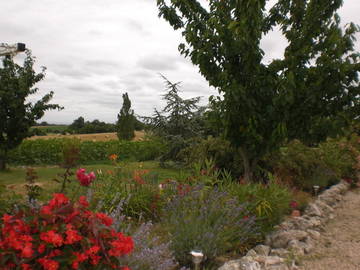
(96, 50)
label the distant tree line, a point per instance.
(80, 126)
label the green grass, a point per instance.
(14, 177)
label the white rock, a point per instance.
(314, 234)
(296, 247)
(262, 250)
(281, 252)
(242, 264)
(251, 253)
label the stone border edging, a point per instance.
(293, 237)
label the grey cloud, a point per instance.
(82, 87)
(158, 63)
(113, 84)
(137, 27)
(94, 32)
(108, 103)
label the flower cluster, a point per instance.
(84, 178)
(61, 235)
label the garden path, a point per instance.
(339, 246)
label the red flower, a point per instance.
(46, 210)
(27, 251)
(41, 248)
(49, 264)
(72, 235)
(123, 245)
(58, 199)
(25, 266)
(106, 220)
(52, 237)
(83, 201)
(80, 257)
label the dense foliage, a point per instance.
(309, 94)
(16, 113)
(79, 126)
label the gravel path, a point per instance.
(339, 246)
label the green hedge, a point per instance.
(49, 152)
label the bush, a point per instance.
(61, 235)
(150, 252)
(269, 203)
(8, 199)
(207, 220)
(303, 167)
(139, 197)
(49, 152)
(341, 156)
(216, 149)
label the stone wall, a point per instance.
(294, 237)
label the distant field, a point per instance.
(139, 135)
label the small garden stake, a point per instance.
(197, 257)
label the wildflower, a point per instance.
(113, 157)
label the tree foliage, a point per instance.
(79, 126)
(301, 96)
(179, 121)
(126, 120)
(17, 114)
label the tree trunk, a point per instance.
(249, 165)
(2, 164)
(3, 157)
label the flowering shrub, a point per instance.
(61, 235)
(84, 178)
(208, 220)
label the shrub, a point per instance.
(8, 199)
(61, 235)
(207, 220)
(269, 203)
(341, 156)
(141, 199)
(150, 252)
(303, 167)
(216, 149)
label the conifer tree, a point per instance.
(126, 120)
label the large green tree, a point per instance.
(314, 85)
(16, 113)
(126, 120)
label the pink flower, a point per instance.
(84, 178)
